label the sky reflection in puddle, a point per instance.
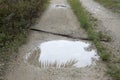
(63, 52)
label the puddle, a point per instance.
(66, 53)
(59, 6)
(63, 53)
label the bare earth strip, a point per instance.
(109, 23)
(58, 20)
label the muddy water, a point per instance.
(63, 53)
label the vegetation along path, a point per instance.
(58, 18)
(57, 22)
(107, 19)
(108, 23)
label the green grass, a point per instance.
(111, 4)
(85, 21)
(114, 71)
(16, 16)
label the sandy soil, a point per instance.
(59, 20)
(107, 22)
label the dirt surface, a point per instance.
(59, 20)
(107, 22)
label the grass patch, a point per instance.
(111, 4)
(114, 71)
(16, 16)
(85, 21)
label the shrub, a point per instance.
(15, 19)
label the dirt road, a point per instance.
(58, 18)
(108, 22)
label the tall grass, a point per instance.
(84, 19)
(16, 16)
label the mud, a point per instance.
(57, 21)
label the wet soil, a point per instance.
(57, 19)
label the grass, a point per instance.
(85, 21)
(111, 4)
(114, 71)
(16, 16)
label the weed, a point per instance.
(103, 36)
(102, 51)
(114, 71)
(83, 17)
